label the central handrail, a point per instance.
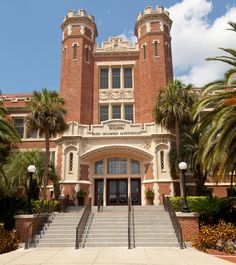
(82, 224)
(129, 222)
(174, 219)
(38, 222)
(100, 206)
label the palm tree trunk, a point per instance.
(177, 141)
(47, 154)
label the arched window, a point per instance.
(117, 166)
(135, 167)
(162, 160)
(71, 162)
(98, 167)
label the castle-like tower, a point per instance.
(79, 33)
(154, 67)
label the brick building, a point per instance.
(112, 147)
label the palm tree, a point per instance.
(8, 136)
(16, 169)
(7, 131)
(48, 117)
(173, 109)
(215, 114)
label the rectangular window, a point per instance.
(116, 112)
(103, 113)
(117, 166)
(31, 133)
(129, 115)
(115, 77)
(87, 54)
(104, 78)
(75, 51)
(156, 48)
(128, 78)
(144, 52)
(18, 123)
(135, 167)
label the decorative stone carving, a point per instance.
(71, 143)
(161, 26)
(63, 35)
(86, 146)
(139, 32)
(117, 44)
(82, 29)
(116, 95)
(148, 26)
(147, 144)
(69, 30)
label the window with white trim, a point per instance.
(104, 78)
(116, 112)
(116, 77)
(18, 123)
(71, 161)
(129, 113)
(104, 113)
(162, 160)
(128, 77)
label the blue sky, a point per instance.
(30, 46)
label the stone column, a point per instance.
(104, 191)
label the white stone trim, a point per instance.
(115, 63)
(192, 214)
(149, 181)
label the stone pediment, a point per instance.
(116, 44)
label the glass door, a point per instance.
(136, 191)
(98, 191)
(117, 192)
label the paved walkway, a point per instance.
(111, 256)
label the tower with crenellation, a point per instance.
(154, 68)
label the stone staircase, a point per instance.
(61, 230)
(151, 227)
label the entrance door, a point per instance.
(98, 191)
(136, 191)
(117, 192)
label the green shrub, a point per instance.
(177, 202)
(43, 205)
(219, 236)
(8, 240)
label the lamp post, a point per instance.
(183, 166)
(31, 169)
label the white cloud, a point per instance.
(129, 36)
(194, 39)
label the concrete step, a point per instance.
(56, 245)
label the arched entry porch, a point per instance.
(115, 172)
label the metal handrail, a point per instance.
(129, 222)
(37, 224)
(175, 221)
(82, 224)
(100, 206)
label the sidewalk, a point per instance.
(111, 256)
